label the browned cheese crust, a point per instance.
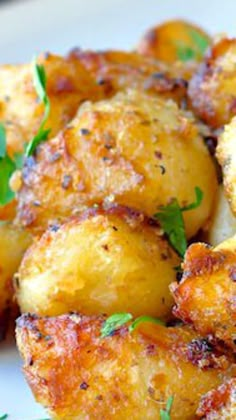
(77, 374)
(205, 297)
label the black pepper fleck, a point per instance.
(84, 131)
(66, 181)
(84, 386)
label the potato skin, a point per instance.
(219, 403)
(226, 155)
(13, 243)
(118, 70)
(212, 88)
(103, 262)
(205, 297)
(68, 84)
(133, 149)
(76, 374)
(223, 223)
(162, 41)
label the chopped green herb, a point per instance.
(171, 220)
(40, 80)
(113, 322)
(4, 416)
(117, 320)
(144, 318)
(186, 53)
(165, 414)
(7, 167)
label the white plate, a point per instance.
(31, 26)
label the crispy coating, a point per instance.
(118, 70)
(219, 403)
(68, 84)
(212, 88)
(103, 262)
(164, 41)
(205, 297)
(13, 243)
(133, 149)
(77, 374)
(226, 155)
(223, 223)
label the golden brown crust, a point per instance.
(76, 374)
(113, 261)
(212, 88)
(116, 71)
(134, 149)
(219, 403)
(205, 297)
(163, 41)
(68, 85)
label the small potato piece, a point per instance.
(68, 84)
(212, 89)
(226, 155)
(116, 71)
(205, 297)
(223, 224)
(104, 262)
(134, 149)
(13, 243)
(220, 403)
(78, 375)
(174, 40)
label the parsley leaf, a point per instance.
(171, 220)
(201, 43)
(40, 80)
(117, 320)
(4, 416)
(7, 167)
(165, 414)
(113, 322)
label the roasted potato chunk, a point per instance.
(223, 224)
(205, 297)
(100, 263)
(212, 88)
(220, 403)
(226, 155)
(68, 84)
(174, 40)
(116, 71)
(134, 149)
(13, 243)
(77, 374)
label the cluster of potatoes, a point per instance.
(130, 133)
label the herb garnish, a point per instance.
(40, 80)
(171, 220)
(4, 416)
(186, 53)
(9, 165)
(117, 320)
(165, 414)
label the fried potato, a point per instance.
(212, 88)
(174, 40)
(103, 262)
(68, 84)
(133, 149)
(226, 155)
(223, 223)
(219, 403)
(116, 71)
(77, 374)
(205, 297)
(13, 243)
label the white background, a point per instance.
(31, 26)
